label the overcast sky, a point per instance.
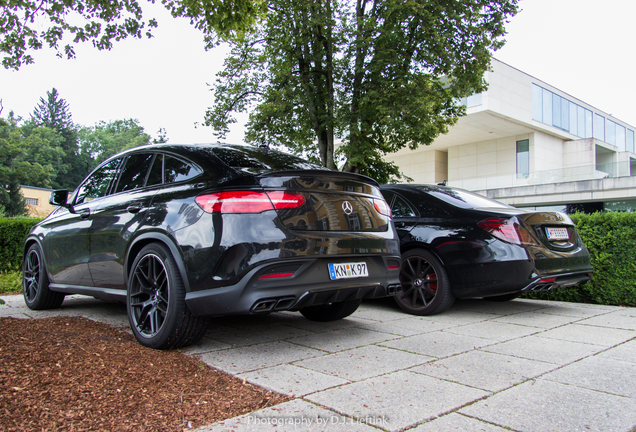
(582, 47)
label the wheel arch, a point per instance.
(155, 237)
(420, 245)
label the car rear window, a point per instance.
(257, 160)
(463, 199)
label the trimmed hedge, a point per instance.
(611, 240)
(13, 231)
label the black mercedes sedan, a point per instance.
(183, 232)
(457, 244)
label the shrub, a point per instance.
(13, 231)
(611, 240)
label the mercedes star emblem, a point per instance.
(347, 207)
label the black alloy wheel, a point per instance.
(331, 311)
(155, 302)
(425, 286)
(35, 282)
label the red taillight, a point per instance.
(507, 230)
(277, 275)
(248, 201)
(382, 207)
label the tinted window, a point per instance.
(155, 176)
(176, 170)
(134, 173)
(464, 199)
(98, 184)
(400, 208)
(257, 160)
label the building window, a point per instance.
(599, 127)
(554, 110)
(630, 140)
(523, 159)
(31, 201)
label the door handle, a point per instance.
(133, 208)
(85, 214)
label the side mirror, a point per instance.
(59, 197)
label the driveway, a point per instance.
(524, 365)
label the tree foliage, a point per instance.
(377, 75)
(29, 25)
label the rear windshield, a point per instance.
(462, 198)
(257, 160)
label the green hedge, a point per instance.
(611, 239)
(13, 231)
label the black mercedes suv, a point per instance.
(183, 232)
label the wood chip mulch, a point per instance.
(74, 374)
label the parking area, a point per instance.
(524, 365)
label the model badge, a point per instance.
(347, 207)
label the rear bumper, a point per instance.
(307, 284)
(561, 281)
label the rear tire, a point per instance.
(331, 311)
(35, 282)
(155, 302)
(425, 286)
(504, 297)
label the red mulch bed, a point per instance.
(74, 374)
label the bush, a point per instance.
(611, 240)
(13, 231)
(10, 282)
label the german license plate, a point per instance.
(348, 270)
(557, 233)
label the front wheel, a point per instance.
(425, 286)
(155, 302)
(331, 311)
(35, 282)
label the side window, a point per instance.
(176, 170)
(155, 176)
(99, 183)
(401, 209)
(133, 175)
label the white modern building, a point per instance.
(528, 144)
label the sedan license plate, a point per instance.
(348, 270)
(557, 233)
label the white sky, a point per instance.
(582, 47)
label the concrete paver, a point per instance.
(524, 365)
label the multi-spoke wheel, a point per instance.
(331, 311)
(35, 282)
(155, 302)
(425, 286)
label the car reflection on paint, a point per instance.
(457, 244)
(183, 232)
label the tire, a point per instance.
(504, 297)
(155, 301)
(35, 282)
(425, 286)
(331, 311)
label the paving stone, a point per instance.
(497, 308)
(205, 345)
(487, 371)
(624, 352)
(496, 331)
(258, 334)
(457, 422)
(576, 310)
(601, 374)
(537, 347)
(292, 380)
(296, 415)
(621, 319)
(403, 398)
(343, 339)
(437, 344)
(547, 406)
(590, 334)
(254, 357)
(363, 363)
(537, 319)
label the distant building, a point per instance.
(528, 144)
(37, 200)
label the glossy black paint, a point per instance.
(90, 242)
(479, 264)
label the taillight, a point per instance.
(382, 207)
(507, 230)
(248, 201)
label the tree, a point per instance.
(103, 140)
(377, 75)
(29, 25)
(54, 112)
